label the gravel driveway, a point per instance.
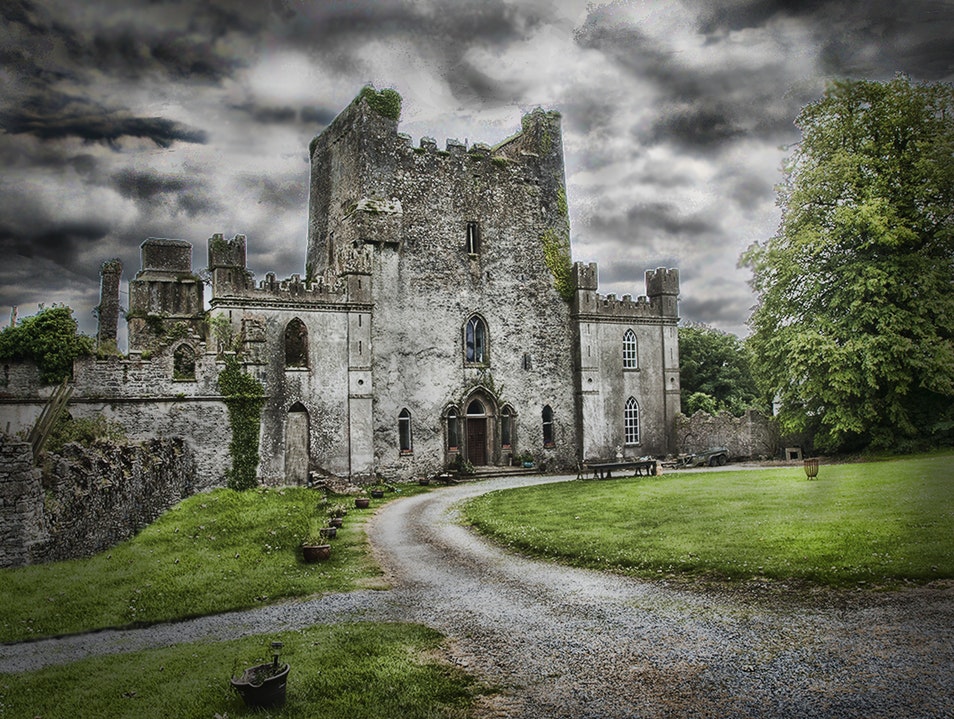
(560, 642)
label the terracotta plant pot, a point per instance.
(315, 552)
(362, 502)
(262, 685)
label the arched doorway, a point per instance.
(296, 445)
(478, 438)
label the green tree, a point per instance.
(244, 399)
(855, 319)
(50, 339)
(714, 371)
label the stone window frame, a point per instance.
(299, 354)
(631, 422)
(476, 353)
(507, 427)
(472, 237)
(548, 435)
(405, 436)
(178, 375)
(452, 429)
(630, 350)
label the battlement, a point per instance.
(585, 276)
(226, 253)
(163, 255)
(662, 282)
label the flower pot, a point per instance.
(262, 685)
(377, 493)
(328, 532)
(336, 522)
(362, 502)
(315, 552)
(424, 481)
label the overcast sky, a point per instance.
(157, 118)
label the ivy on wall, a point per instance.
(556, 255)
(244, 398)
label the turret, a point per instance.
(110, 274)
(662, 288)
(227, 265)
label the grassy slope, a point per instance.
(346, 671)
(874, 522)
(211, 553)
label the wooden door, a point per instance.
(477, 441)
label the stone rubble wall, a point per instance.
(751, 436)
(87, 499)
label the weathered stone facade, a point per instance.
(90, 499)
(440, 319)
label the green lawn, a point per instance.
(211, 553)
(345, 671)
(877, 522)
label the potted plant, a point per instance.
(336, 513)
(377, 491)
(362, 502)
(263, 685)
(526, 459)
(315, 547)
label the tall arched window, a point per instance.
(296, 344)
(183, 363)
(404, 431)
(506, 427)
(630, 355)
(548, 426)
(475, 341)
(473, 238)
(631, 421)
(453, 430)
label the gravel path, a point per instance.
(561, 642)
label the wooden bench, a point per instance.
(604, 470)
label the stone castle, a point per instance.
(440, 319)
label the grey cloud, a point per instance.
(59, 242)
(154, 192)
(702, 127)
(57, 115)
(652, 218)
(317, 115)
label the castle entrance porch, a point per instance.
(296, 445)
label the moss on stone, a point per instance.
(386, 102)
(556, 255)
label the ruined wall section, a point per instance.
(605, 384)
(88, 499)
(754, 435)
(412, 208)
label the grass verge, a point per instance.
(212, 553)
(879, 522)
(349, 670)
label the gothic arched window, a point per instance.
(453, 430)
(548, 426)
(475, 341)
(631, 421)
(296, 344)
(404, 432)
(183, 363)
(630, 355)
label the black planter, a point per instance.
(377, 493)
(261, 686)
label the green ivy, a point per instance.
(48, 338)
(386, 102)
(244, 398)
(556, 255)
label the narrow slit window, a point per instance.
(548, 426)
(453, 435)
(506, 428)
(404, 432)
(473, 238)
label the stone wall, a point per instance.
(87, 499)
(750, 436)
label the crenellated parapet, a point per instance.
(659, 303)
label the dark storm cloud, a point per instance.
(268, 115)
(58, 115)
(317, 115)
(723, 309)
(630, 273)
(154, 192)
(287, 194)
(60, 242)
(696, 127)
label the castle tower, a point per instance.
(164, 293)
(662, 287)
(227, 265)
(110, 274)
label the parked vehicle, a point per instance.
(713, 457)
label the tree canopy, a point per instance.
(854, 328)
(714, 371)
(50, 339)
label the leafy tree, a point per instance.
(714, 371)
(855, 321)
(50, 339)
